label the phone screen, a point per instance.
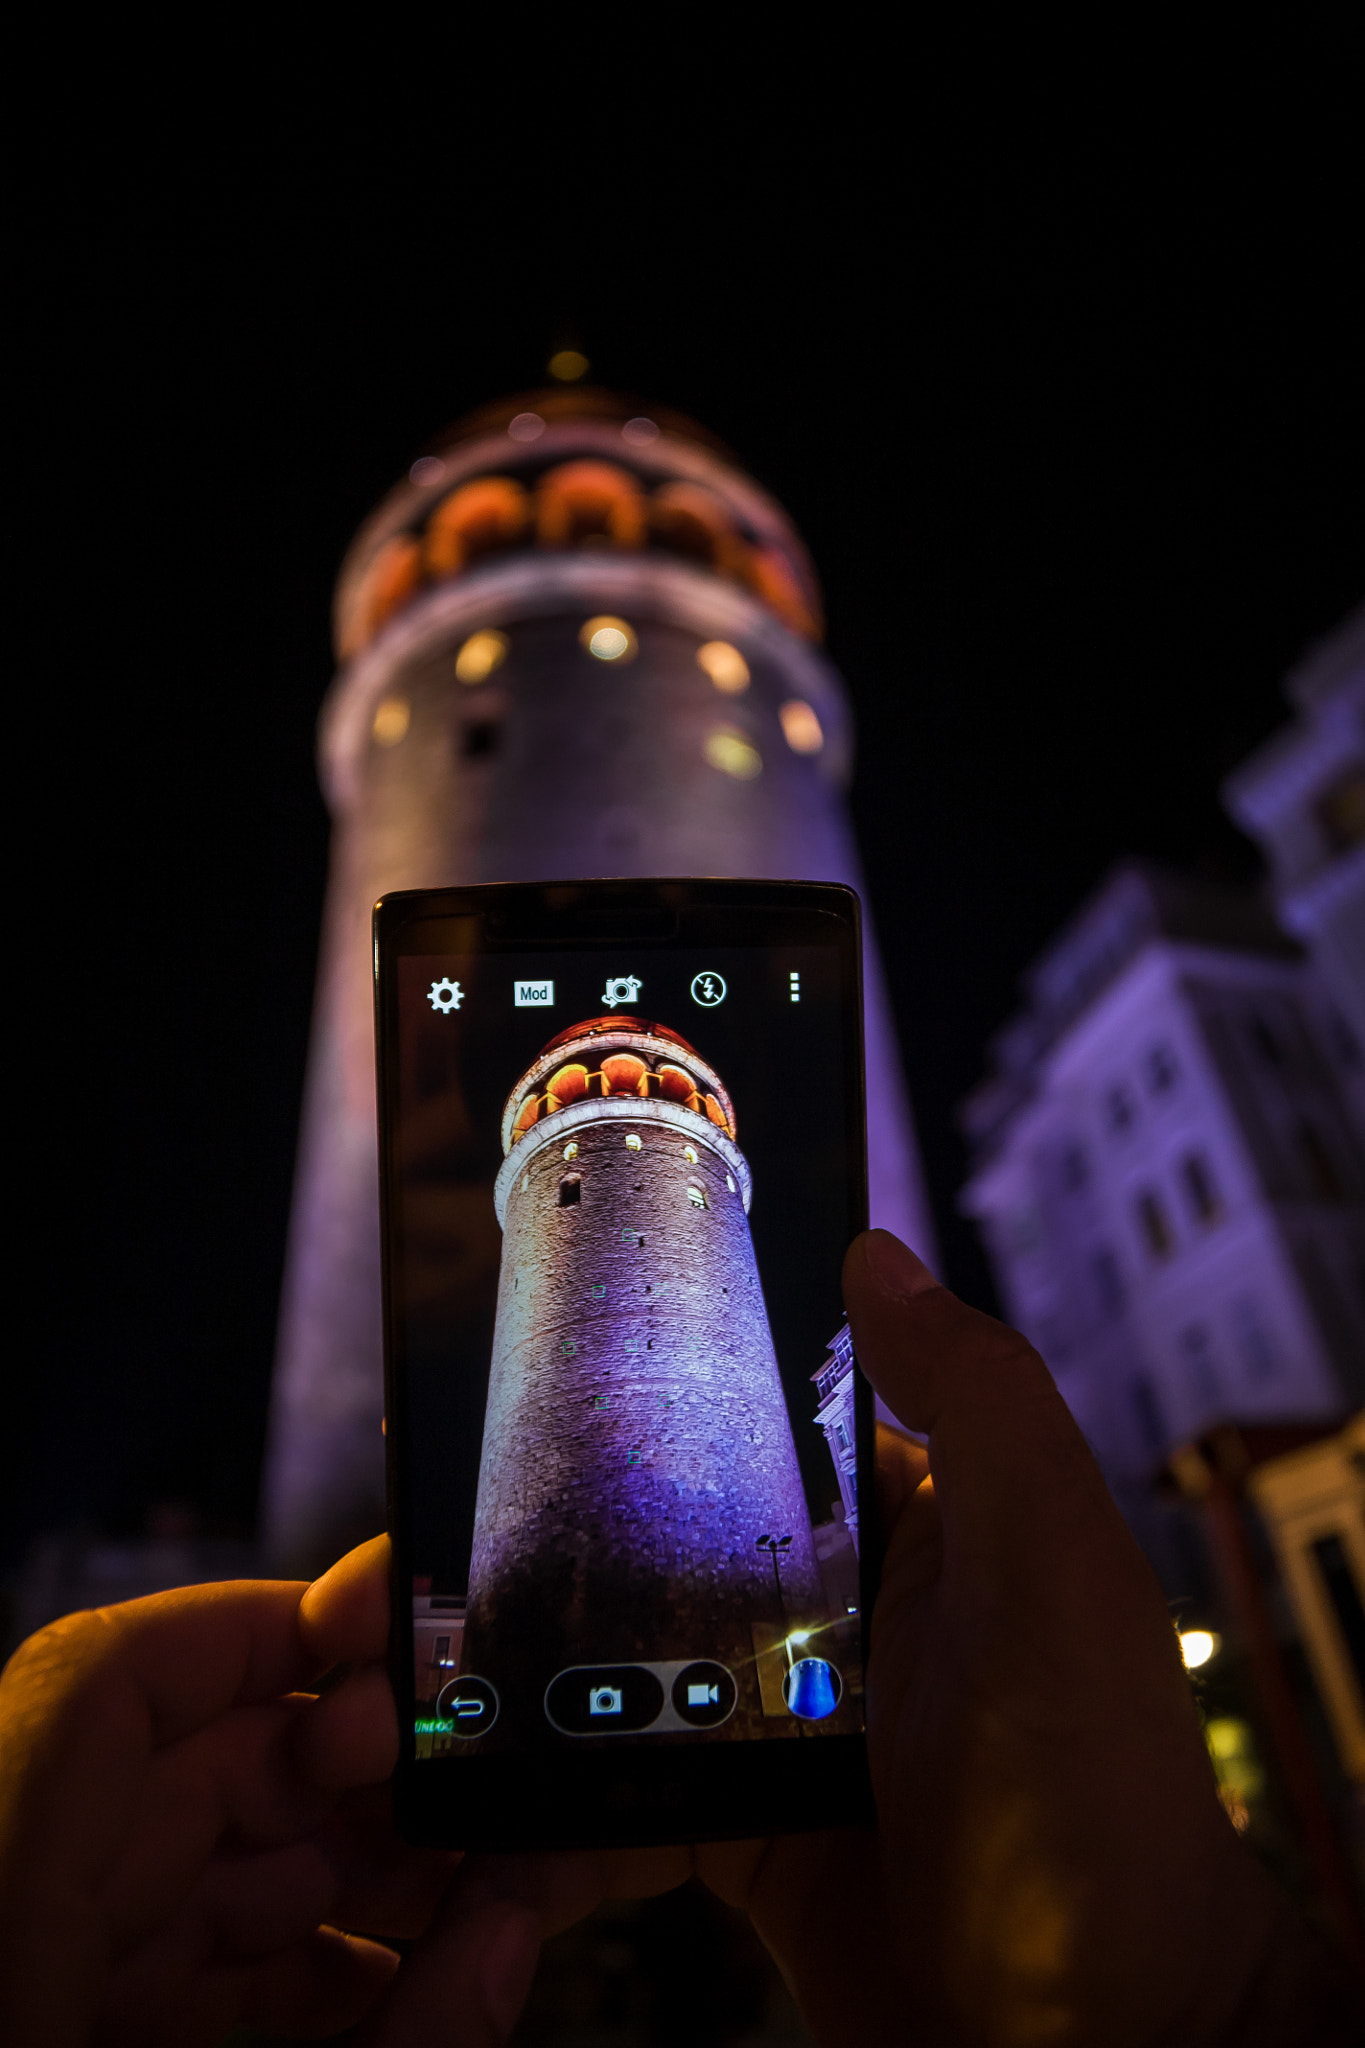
(618, 1198)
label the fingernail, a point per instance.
(508, 1965)
(894, 1267)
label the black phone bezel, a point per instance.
(634, 1795)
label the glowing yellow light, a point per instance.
(480, 655)
(801, 727)
(1197, 1645)
(391, 721)
(633, 1144)
(733, 754)
(609, 639)
(568, 365)
(725, 665)
(571, 1151)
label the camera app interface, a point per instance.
(620, 1207)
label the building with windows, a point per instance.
(574, 640)
(1302, 797)
(1170, 1179)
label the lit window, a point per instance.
(725, 665)
(391, 721)
(730, 1182)
(1199, 1187)
(1155, 1228)
(800, 726)
(608, 639)
(570, 1191)
(841, 1435)
(634, 1144)
(734, 754)
(1162, 1070)
(571, 1151)
(689, 1154)
(480, 655)
(697, 1198)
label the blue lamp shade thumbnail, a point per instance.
(812, 1689)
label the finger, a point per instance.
(465, 1983)
(254, 1905)
(1032, 1540)
(234, 1778)
(350, 1735)
(1007, 1457)
(562, 1888)
(902, 1467)
(323, 1984)
(385, 1886)
(344, 1615)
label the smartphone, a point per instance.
(622, 1145)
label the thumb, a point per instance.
(464, 1984)
(1014, 1478)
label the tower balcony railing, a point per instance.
(621, 1075)
(585, 503)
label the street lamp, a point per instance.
(777, 1548)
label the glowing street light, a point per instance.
(1197, 1645)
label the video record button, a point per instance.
(470, 1703)
(704, 1695)
(604, 1699)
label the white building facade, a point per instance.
(1302, 798)
(1169, 1175)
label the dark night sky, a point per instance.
(1053, 355)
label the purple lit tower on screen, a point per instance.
(636, 1436)
(575, 641)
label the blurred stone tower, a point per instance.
(636, 1440)
(575, 641)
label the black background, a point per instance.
(782, 1066)
(1049, 337)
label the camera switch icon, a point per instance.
(605, 1699)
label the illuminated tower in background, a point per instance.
(575, 641)
(636, 1436)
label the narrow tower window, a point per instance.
(634, 1143)
(570, 1191)
(697, 1198)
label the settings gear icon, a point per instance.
(445, 995)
